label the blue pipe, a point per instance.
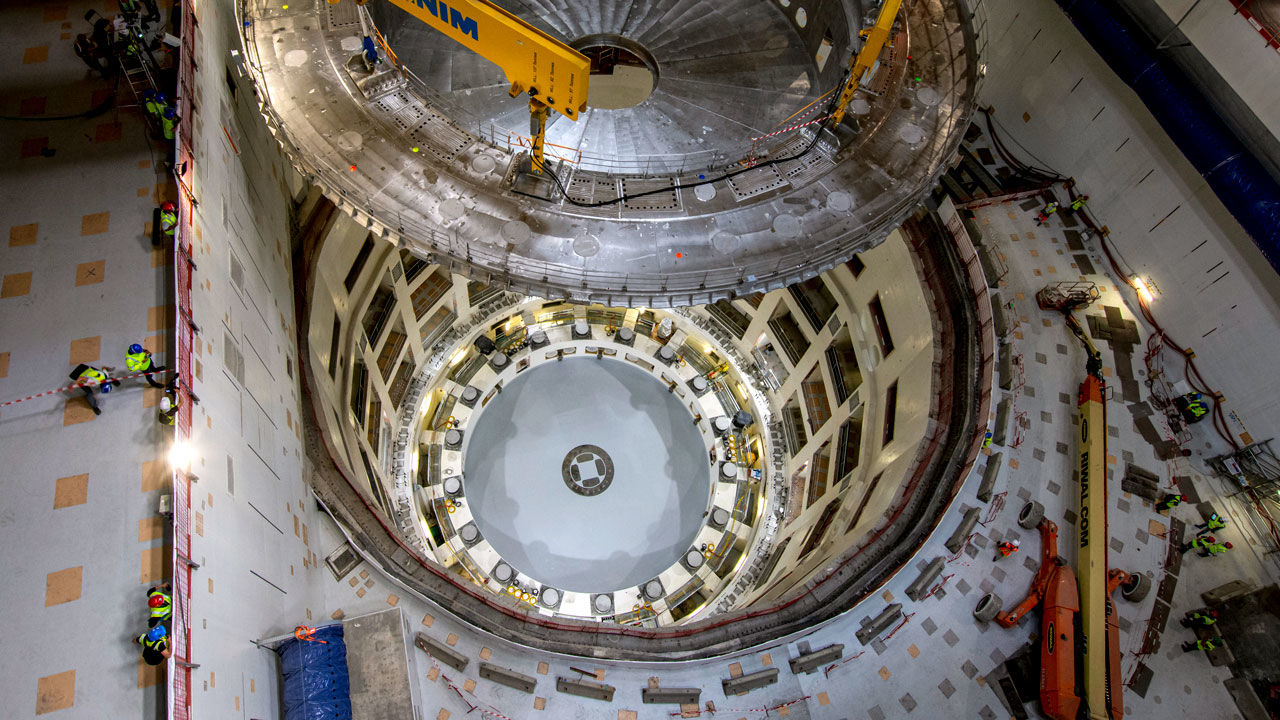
(1249, 192)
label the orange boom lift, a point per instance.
(1079, 639)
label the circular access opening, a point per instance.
(587, 470)
(623, 72)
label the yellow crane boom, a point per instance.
(1103, 696)
(555, 76)
(860, 65)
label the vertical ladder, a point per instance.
(136, 73)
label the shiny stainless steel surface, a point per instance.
(726, 74)
(426, 153)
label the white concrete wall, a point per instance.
(1217, 293)
(910, 365)
(1235, 49)
(254, 527)
(330, 297)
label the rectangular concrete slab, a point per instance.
(379, 665)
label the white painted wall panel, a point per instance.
(1132, 189)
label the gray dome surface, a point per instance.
(638, 526)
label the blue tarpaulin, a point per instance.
(1238, 178)
(315, 684)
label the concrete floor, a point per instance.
(79, 513)
(626, 535)
(79, 518)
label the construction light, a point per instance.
(458, 355)
(1144, 290)
(180, 455)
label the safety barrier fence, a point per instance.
(180, 665)
(383, 213)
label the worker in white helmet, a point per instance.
(1006, 548)
(168, 409)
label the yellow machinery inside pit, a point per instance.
(556, 77)
(863, 63)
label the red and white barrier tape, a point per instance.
(894, 631)
(937, 587)
(789, 129)
(77, 385)
(849, 659)
(682, 713)
(471, 706)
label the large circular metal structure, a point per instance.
(721, 76)
(719, 183)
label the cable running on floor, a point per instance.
(817, 135)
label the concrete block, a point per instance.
(989, 267)
(882, 622)
(975, 233)
(1225, 592)
(441, 652)
(970, 520)
(670, 696)
(1140, 488)
(999, 432)
(1135, 471)
(744, 684)
(989, 476)
(1004, 366)
(585, 688)
(998, 317)
(921, 584)
(1247, 702)
(811, 662)
(508, 677)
